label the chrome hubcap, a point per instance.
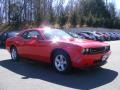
(13, 54)
(60, 63)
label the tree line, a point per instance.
(75, 13)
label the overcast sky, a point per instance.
(117, 4)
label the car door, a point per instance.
(22, 44)
(40, 49)
(35, 47)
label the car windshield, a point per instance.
(56, 34)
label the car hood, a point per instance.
(85, 43)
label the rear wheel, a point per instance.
(14, 54)
(61, 62)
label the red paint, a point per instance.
(41, 49)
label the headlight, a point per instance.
(86, 51)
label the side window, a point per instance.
(30, 34)
(24, 35)
(33, 34)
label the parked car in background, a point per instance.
(101, 35)
(75, 35)
(106, 36)
(86, 36)
(5, 35)
(58, 48)
(96, 36)
(112, 36)
(116, 35)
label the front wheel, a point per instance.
(14, 54)
(61, 62)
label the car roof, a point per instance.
(38, 29)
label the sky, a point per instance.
(117, 3)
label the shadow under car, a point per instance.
(78, 79)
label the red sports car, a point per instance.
(57, 48)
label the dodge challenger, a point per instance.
(57, 48)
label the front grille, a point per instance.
(99, 49)
(96, 50)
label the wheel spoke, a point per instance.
(58, 64)
(57, 59)
(13, 54)
(62, 67)
(64, 62)
(61, 57)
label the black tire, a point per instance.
(14, 54)
(66, 60)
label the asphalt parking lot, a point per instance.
(27, 75)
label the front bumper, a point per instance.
(87, 61)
